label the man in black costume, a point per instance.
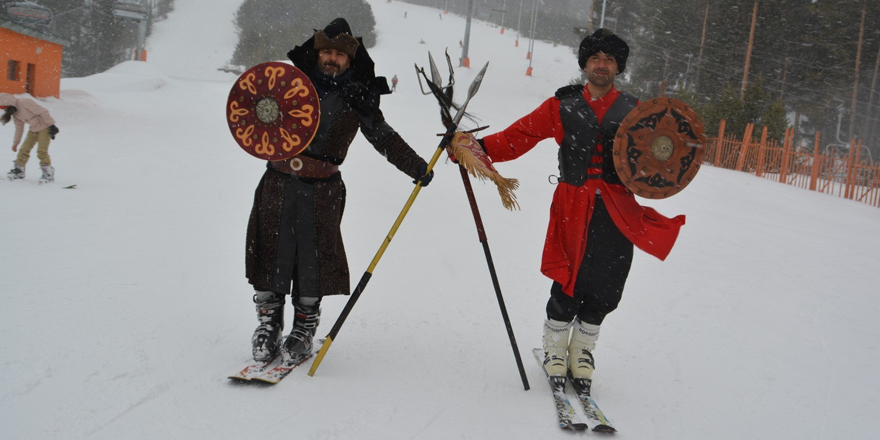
(294, 243)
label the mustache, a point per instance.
(331, 63)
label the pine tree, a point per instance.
(268, 29)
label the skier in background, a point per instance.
(41, 130)
(594, 219)
(294, 243)
(394, 83)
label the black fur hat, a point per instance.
(604, 41)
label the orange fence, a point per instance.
(845, 175)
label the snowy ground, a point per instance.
(125, 304)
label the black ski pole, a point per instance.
(481, 232)
(444, 98)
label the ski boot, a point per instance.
(267, 336)
(48, 174)
(299, 344)
(555, 341)
(583, 342)
(16, 173)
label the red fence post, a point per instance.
(760, 170)
(814, 173)
(744, 150)
(719, 146)
(786, 155)
(847, 191)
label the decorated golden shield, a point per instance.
(659, 147)
(273, 111)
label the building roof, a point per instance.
(36, 33)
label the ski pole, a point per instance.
(481, 233)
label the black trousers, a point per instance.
(602, 275)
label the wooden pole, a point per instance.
(616, 16)
(744, 150)
(742, 91)
(814, 174)
(855, 95)
(786, 155)
(784, 76)
(855, 169)
(590, 20)
(760, 170)
(702, 45)
(663, 83)
(850, 169)
(719, 146)
(868, 127)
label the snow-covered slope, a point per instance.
(125, 304)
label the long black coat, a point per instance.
(293, 236)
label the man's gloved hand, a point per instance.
(53, 130)
(424, 180)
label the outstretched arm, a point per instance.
(389, 143)
(524, 134)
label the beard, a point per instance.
(601, 77)
(330, 68)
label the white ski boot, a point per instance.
(48, 174)
(16, 173)
(580, 350)
(555, 341)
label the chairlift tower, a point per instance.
(139, 12)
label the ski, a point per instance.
(275, 375)
(273, 370)
(595, 417)
(568, 419)
(254, 369)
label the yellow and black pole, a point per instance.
(362, 284)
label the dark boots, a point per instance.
(305, 323)
(267, 336)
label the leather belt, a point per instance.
(304, 166)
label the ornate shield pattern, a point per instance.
(659, 147)
(273, 111)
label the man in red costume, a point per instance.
(594, 219)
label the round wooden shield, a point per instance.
(659, 147)
(273, 111)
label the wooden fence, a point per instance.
(849, 175)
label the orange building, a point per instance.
(30, 60)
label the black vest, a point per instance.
(582, 132)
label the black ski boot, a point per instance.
(305, 322)
(267, 336)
